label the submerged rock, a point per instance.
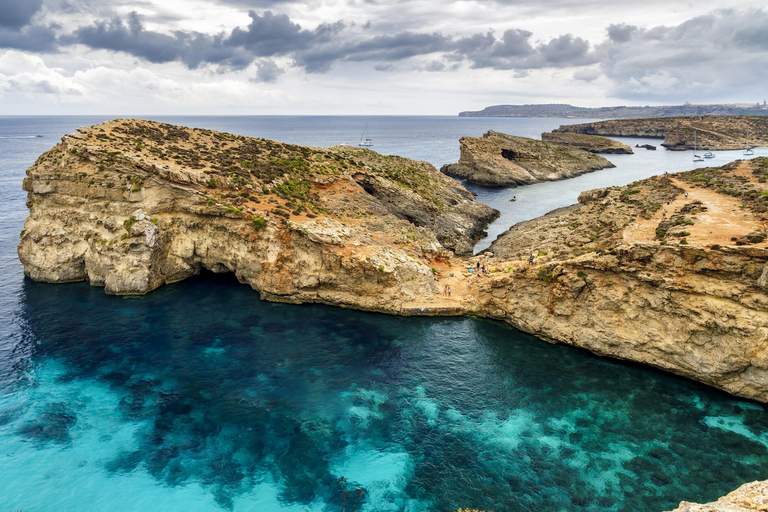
(501, 160)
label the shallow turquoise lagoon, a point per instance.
(201, 397)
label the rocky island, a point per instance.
(683, 133)
(591, 143)
(131, 205)
(640, 272)
(500, 160)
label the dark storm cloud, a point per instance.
(31, 38)
(271, 34)
(514, 51)
(15, 14)
(130, 36)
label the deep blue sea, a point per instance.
(201, 397)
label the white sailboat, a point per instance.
(747, 150)
(365, 142)
(696, 158)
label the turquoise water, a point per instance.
(201, 397)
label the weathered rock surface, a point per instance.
(131, 205)
(697, 311)
(749, 497)
(591, 143)
(682, 133)
(500, 160)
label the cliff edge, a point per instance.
(683, 133)
(131, 205)
(501, 160)
(671, 271)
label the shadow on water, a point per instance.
(229, 391)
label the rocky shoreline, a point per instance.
(684, 133)
(642, 273)
(132, 205)
(500, 160)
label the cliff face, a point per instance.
(749, 497)
(648, 274)
(696, 312)
(131, 205)
(500, 160)
(591, 143)
(640, 272)
(682, 133)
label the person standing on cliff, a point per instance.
(449, 291)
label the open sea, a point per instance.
(201, 397)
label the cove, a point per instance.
(199, 396)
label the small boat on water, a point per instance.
(709, 154)
(747, 150)
(696, 158)
(364, 141)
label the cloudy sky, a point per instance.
(374, 56)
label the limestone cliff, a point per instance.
(682, 133)
(751, 497)
(642, 272)
(131, 205)
(501, 160)
(591, 143)
(609, 278)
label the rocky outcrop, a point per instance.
(700, 311)
(591, 143)
(131, 205)
(500, 160)
(682, 133)
(697, 312)
(751, 497)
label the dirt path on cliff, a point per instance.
(723, 220)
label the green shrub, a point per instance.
(545, 275)
(259, 223)
(128, 223)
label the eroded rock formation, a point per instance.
(682, 133)
(751, 497)
(501, 160)
(131, 205)
(591, 143)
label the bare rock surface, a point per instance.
(749, 497)
(132, 205)
(501, 160)
(682, 133)
(591, 143)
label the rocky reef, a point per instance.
(591, 143)
(131, 205)
(643, 272)
(682, 133)
(501, 160)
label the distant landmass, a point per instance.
(562, 110)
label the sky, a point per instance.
(374, 57)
